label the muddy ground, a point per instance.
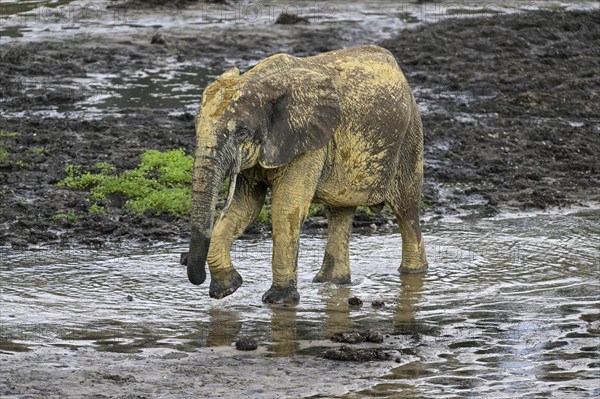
(510, 107)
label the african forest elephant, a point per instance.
(341, 129)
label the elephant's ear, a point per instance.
(305, 113)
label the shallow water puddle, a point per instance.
(178, 87)
(509, 305)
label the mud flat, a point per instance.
(219, 372)
(510, 107)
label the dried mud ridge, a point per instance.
(520, 130)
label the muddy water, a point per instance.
(509, 305)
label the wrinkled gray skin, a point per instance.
(341, 129)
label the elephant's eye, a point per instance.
(243, 132)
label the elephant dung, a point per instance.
(355, 301)
(246, 344)
(347, 353)
(357, 337)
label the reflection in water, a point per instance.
(284, 330)
(411, 288)
(508, 306)
(223, 327)
(337, 312)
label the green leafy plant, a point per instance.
(366, 210)
(38, 150)
(161, 183)
(4, 161)
(69, 217)
(96, 209)
(316, 210)
(264, 217)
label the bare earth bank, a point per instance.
(510, 107)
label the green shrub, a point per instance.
(161, 183)
(316, 210)
(96, 209)
(68, 217)
(366, 210)
(264, 217)
(4, 161)
(38, 150)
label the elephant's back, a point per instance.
(367, 79)
(359, 54)
(366, 65)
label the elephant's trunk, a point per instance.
(209, 172)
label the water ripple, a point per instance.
(508, 306)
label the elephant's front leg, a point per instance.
(336, 262)
(246, 202)
(292, 193)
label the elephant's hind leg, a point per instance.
(405, 197)
(246, 202)
(336, 262)
(413, 248)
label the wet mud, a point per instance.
(509, 304)
(523, 125)
(510, 108)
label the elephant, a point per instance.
(341, 128)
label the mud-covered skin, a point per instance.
(341, 129)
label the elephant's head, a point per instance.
(267, 116)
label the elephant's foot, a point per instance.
(333, 272)
(413, 268)
(288, 294)
(224, 283)
(326, 276)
